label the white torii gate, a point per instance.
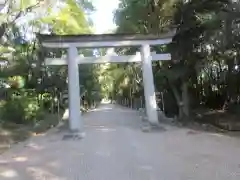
(72, 42)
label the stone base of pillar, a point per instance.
(74, 135)
(148, 127)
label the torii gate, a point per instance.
(72, 42)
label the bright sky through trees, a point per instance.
(103, 17)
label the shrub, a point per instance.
(13, 111)
(22, 109)
(32, 110)
(16, 82)
(234, 108)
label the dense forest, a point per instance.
(202, 76)
(34, 96)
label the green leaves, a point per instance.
(144, 16)
(16, 82)
(70, 19)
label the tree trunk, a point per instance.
(230, 81)
(185, 99)
(179, 101)
(182, 100)
(3, 28)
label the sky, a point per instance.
(103, 17)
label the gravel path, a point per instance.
(115, 148)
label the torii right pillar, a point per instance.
(148, 82)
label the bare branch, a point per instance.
(5, 26)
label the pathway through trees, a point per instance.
(115, 148)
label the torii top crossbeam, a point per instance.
(104, 40)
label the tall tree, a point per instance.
(196, 22)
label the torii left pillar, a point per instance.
(148, 83)
(75, 120)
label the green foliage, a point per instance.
(32, 109)
(13, 111)
(144, 16)
(205, 49)
(16, 82)
(234, 108)
(90, 84)
(69, 20)
(22, 108)
(35, 87)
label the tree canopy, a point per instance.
(23, 70)
(203, 73)
(204, 70)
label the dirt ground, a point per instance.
(116, 148)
